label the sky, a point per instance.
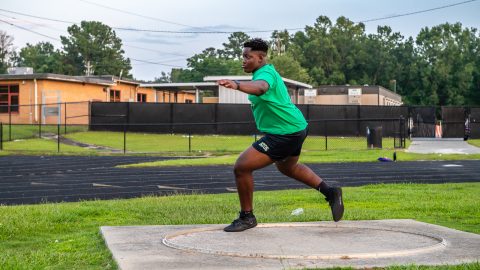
(153, 52)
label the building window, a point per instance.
(9, 98)
(141, 97)
(114, 95)
(188, 101)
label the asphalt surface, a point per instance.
(33, 179)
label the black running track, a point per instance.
(33, 179)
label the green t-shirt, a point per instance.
(273, 111)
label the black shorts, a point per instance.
(279, 147)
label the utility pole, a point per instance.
(88, 68)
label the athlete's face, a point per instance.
(252, 60)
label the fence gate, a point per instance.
(453, 122)
(421, 122)
(474, 123)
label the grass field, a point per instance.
(66, 235)
(475, 142)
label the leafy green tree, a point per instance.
(347, 38)
(95, 46)
(164, 78)
(379, 62)
(233, 49)
(208, 63)
(448, 55)
(290, 68)
(317, 53)
(42, 57)
(280, 42)
(6, 51)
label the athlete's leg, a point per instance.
(291, 168)
(249, 161)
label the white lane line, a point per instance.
(104, 185)
(170, 187)
(42, 184)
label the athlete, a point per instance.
(285, 130)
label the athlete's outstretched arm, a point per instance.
(256, 88)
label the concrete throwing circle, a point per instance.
(305, 241)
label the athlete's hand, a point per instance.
(228, 83)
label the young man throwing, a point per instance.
(285, 130)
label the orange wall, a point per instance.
(52, 91)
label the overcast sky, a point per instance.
(171, 49)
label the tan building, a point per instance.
(350, 95)
(37, 97)
(300, 93)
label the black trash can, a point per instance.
(374, 137)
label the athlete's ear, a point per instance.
(261, 57)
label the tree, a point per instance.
(448, 55)
(379, 62)
(348, 38)
(6, 51)
(94, 46)
(316, 52)
(234, 48)
(42, 57)
(290, 68)
(280, 42)
(164, 78)
(209, 62)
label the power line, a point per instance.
(154, 50)
(138, 60)
(43, 18)
(38, 17)
(415, 12)
(199, 32)
(31, 31)
(153, 30)
(34, 23)
(155, 63)
(138, 15)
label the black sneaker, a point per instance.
(241, 224)
(335, 201)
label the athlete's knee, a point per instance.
(239, 169)
(287, 170)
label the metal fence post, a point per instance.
(326, 136)
(124, 138)
(58, 138)
(189, 142)
(10, 123)
(40, 122)
(1, 136)
(65, 114)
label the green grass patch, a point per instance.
(43, 146)
(371, 155)
(474, 142)
(155, 143)
(66, 235)
(33, 131)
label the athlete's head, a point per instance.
(254, 54)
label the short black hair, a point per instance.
(256, 44)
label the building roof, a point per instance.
(366, 89)
(182, 86)
(101, 80)
(288, 82)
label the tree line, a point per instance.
(440, 66)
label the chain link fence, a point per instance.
(124, 139)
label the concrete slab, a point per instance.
(442, 146)
(291, 245)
